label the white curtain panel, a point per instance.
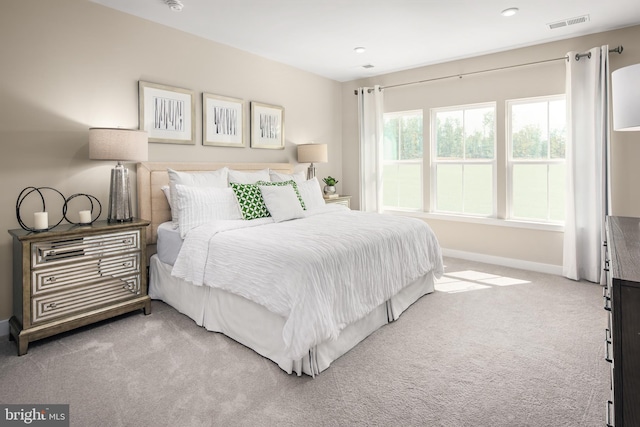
(587, 160)
(370, 119)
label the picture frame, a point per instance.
(267, 126)
(167, 113)
(222, 121)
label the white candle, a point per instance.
(41, 220)
(85, 217)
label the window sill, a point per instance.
(479, 220)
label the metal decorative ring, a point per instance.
(23, 195)
(91, 199)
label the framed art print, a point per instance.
(267, 126)
(167, 113)
(222, 121)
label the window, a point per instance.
(463, 179)
(536, 139)
(402, 160)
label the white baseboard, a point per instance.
(4, 327)
(505, 262)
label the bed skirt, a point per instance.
(261, 330)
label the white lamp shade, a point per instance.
(118, 144)
(312, 153)
(626, 98)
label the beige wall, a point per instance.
(529, 246)
(68, 65)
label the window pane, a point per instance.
(449, 135)
(479, 125)
(478, 189)
(530, 192)
(529, 131)
(556, 192)
(391, 137)
(449, 188)
(402, 185)
(557, 129)
(411, 137)
(390, 185)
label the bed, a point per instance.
(224, 275)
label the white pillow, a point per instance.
(167, 193)
(248, 177)
(218, 178)
(282, 177)
(311, 193)
(200, 205)
(282, 202)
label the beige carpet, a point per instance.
(493, 347)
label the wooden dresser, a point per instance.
(622, 300)
(72, 276)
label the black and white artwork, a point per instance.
(223, 121)
(167, 113)
(267, 126)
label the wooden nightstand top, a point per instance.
(74, 229)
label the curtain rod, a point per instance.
(577, 57)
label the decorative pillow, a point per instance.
(311, 193)
(167, 194)
(250, 200)
(282, 202)
(283, 183)
(280, 177)
(218, 178)
(248, 177)
(200, 205)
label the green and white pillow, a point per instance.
(250, 200)
(291, 183)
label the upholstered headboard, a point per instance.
(152, 203)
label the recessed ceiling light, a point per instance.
(509, 12)
(175, 5)
(359, 49)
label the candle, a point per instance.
(41, 220)
(85, 217)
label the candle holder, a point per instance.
(24, 194)
(91, 200)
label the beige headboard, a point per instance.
(152, 203)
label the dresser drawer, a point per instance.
(59, 277)
(91, 294)
(58, 251)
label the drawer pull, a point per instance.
(51, 306)
(608, 412)
(607, 342)
(51, 279)
(607, 299)
(127, 241)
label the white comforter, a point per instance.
(320, 272)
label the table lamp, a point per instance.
(120, 145)
(626, 98)
(312, 153)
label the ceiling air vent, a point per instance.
(567, 22)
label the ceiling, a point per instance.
(319, 36)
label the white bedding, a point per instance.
(315, 272)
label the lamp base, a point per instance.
(311, 172)
(119, 195)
